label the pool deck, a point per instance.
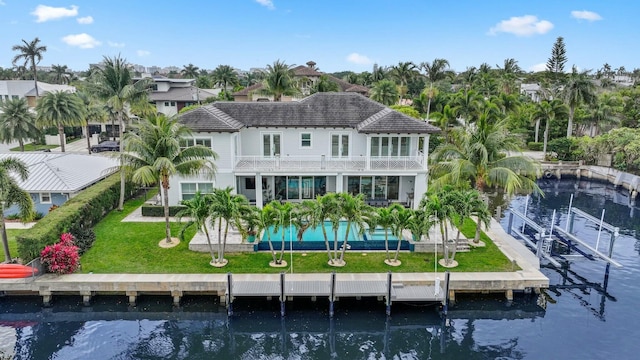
(412, 287)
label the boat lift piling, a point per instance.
(332, 294)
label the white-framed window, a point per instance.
(390, 146)
(188, 190)
(271, 144)
(45, 198)
(339, 145)
(305, 140)
(188, 142)
(169, 103)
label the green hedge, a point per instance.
(79, 213)
(535, 146)
(156, 211)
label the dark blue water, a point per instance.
(580, 317)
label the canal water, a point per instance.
(582, 315)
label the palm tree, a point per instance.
(324, 84)
(579, 89)
(279, 81)
(61, 74)
(12, 194)
(198, 211)
(386, 218)
(268, 219)
(329, 210)
(356, 213)
(508, 74)
(225, 76)
(437, 70)
(604, 113)
(548, 111)
(114, 85)
(438, 209)
(60, 109)
(404, 72)
(226, 207)
(282, 217)
(17, 122)
(30, 52)
(477, 156)
(385, 92)
(404, 219)
(446, 119)
(154, 155)
(93, 111)
(190, 71)
(468, 104)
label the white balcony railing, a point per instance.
(319, 162)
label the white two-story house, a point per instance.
(292, 151)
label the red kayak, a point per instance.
(16, 271)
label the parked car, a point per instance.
(106, 146)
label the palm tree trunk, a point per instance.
(206, 232)
(537, 129)
(386, 243)
(326, 243)
(219, 240)
(476, 238)
(395, 258)
(446, 246)
(545, 140)
(61, 136)
(282, 246)
(570, 124)
(273, 252)
(344, 243)
(5, 240)
(165, 194)
(35, 76)
(224, 242)
(122, 177)
(444, 241)
(335, 243)
(21, 143)
(86, 131)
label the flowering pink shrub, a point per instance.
(61, 257)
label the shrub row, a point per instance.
(156, 211)
(77, 215)
(535, 146)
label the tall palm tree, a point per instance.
(279, 80)
(385, 92)
(61, 74)
(436, 70)
(404, 219)
(468, 104)
(379, 73)
(190, 71)
(197, 210)
(478, 155)
(548, 111)
(446, 119)
(437, 206)
(268, 219)
(60, 109)
(227, 207)
(356, 213)
(17, 122)
(225, 76)
(329, 210)
(578, 89)
(404, 72)
(508, 74)
(604, 113)
(12, 194)
(282, 216)
(114, 85)
(154, 155)
(94, 112)
(324, 84)
(30, 53)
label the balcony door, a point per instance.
(270, 144)
(340, 145)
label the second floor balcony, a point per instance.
(321, 162)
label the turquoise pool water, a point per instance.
(315, 234)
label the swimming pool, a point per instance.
(313, 239)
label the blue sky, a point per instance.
(336, 34)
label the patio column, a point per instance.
(259, 190)
(425, 152)
(368, 153)
(419, 188)
(339, 183)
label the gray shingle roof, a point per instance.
(63, 172)
(321, 110)
(175, 94)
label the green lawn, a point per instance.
(32, 147)
(13, 245)
(133, 248)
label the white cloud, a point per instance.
(2, 2)
(46, 13)
(143, 52)
(522, 26)
(85, 20)
(359, 59)
(115, 44)
(586, 15)
(266, 3)
(83, 41)
(538, 67)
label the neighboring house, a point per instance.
(306, 77)
(18, 89)
(292, 151)
(532, 91)
(54, 178)
(171, 95)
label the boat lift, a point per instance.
(538, 238)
